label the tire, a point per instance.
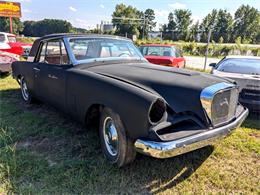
(24, 91)
(117, 148)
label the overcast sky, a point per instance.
(88, 13)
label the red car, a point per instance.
(168, 55)
(9, 44)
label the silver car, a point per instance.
(245, 70)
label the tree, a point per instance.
(46, 26)
(126, 19)
(208, 23)
(28, 28)
(79, 30)
(171, 25)
(149, 17)
(183, 21)
(223, 26)
(247, 23)
(194, 32)
(5, 25)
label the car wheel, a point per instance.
(116, 146)
(24, 91)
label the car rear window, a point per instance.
(157, 51)
(11, 39)
(243, 66)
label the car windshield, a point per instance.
(242, 66)
(89, 49)
(11, 39)
(156, 51)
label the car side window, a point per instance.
(2, 38)
(42, 54)
(177, 53)
(54, 52)
(144, 50)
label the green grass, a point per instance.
(43, 151)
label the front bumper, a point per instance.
(187, 144)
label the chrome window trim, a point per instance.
(69, 51)
(208, 93)
(76, 62)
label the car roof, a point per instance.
(69, 35)
(242, 57)
(8, 34)
(158, 44)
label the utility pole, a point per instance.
(144, 21)
(134, 19)
(207, 49)
(11, 24)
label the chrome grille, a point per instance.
(219, 102)
(250, 94)
(223, 106)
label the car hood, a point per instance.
(244, 81)
(180, 88)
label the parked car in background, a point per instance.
(6, 60)
(9, 44)
(245, 71)
(167, 55)
(136, 106)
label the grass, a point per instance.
(43, 151)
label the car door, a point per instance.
(179, 59)
(51, 73)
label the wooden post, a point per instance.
(11, 24)
(207, 50)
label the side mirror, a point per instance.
(213, 65)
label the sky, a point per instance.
(88, 13)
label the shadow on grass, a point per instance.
(55, 151)
(252, 121)
(4, 75)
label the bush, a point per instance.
(25, 39)
(215, 49)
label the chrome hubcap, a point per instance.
(24, 89)
(110, 136)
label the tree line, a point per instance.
(223, 27)
(39, 28)
(244, 26)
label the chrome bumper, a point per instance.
(187, 144)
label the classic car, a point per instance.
(104, 81)
(9, 44)
(163, 54)
(6, 60)
(245, 70)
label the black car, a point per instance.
(245, 71)
(137, 106)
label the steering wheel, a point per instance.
(120, 55)
(153, 54)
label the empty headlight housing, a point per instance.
(157, 111)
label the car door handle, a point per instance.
(37, 69)
(52, 76)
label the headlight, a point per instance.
(157, 110)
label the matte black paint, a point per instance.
(128, 88)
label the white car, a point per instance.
(245, 70)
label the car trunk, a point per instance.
(163, 60)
